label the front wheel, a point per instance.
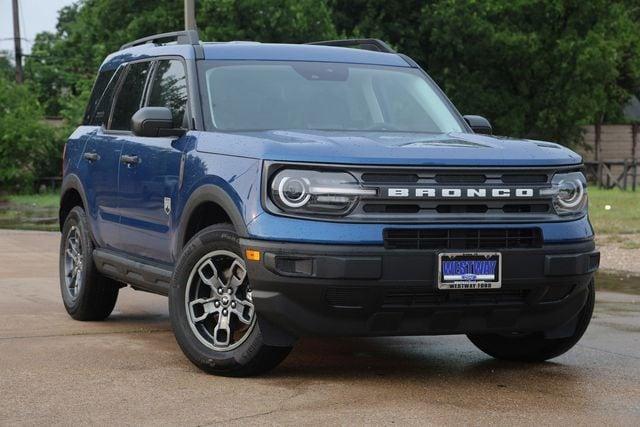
(534, 347)
(211, 309)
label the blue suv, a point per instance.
(274, 191)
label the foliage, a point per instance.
(26, 142)
(63, 63)
(6, 68)
(535, 68)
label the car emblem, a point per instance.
(167, 205)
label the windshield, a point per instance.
(246, 96)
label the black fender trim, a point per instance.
(71, 182)
(208, 193)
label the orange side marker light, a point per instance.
(252, 255)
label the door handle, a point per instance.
(91, 157)
(129, 160)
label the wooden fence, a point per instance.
(612, 155)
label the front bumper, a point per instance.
(338, 290)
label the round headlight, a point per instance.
(308, 191)
(294, 192)
(570, 193)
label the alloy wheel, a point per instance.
(73, 262)
(218, 301)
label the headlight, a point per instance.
(569, 191)
(315, 192)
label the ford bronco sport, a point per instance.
(274, 191)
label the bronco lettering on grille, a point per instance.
(469, 193)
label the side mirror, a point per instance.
(479, 124)
(154, 121)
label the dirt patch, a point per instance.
(620, 252)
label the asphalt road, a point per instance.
(129, 369)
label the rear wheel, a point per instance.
(211, 309)
(534, 347)
(86, 294)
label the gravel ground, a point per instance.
(128, 370)
(615, 256)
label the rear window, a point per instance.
(101, 114)
(96, 93)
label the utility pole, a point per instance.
(189, 15)
(16, 41)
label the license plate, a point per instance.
(476, 270)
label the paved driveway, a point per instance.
(129, 369)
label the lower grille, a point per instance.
(466, 239)
(409, 298)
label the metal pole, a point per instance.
(189, 15)
(16, 41)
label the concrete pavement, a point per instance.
(129, 369)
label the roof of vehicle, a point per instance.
(256, 51)
(298, 52)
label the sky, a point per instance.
(35, 16)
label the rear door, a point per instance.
(149, 183)
(98, 167)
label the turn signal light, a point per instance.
(252, 255)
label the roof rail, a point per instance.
(180, 37)
(366, 44)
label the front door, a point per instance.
(149, 172)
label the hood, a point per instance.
(387, 148)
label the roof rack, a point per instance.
(180, 37)
(366, 44)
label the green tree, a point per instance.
(89, 30)
(6, 68)
(536, 68)
(27, 143)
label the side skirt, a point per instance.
(140, 274)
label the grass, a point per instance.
(30, 212)
(623, 215)
(47, 200)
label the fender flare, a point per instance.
(71, 182)
(208, 193)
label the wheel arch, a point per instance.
(71, 194)
(207, 205)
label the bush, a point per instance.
(27, 144)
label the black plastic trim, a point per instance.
(207, 193)
(140, 274)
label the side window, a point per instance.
(98, 89)
(101, 112)
(169, 89)
(129, 97)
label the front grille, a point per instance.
(462, 239)
(405, 195)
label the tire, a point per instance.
(87, 295)
(226, 343)
(535, 347)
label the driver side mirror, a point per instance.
(479, 124)
(154, 122)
